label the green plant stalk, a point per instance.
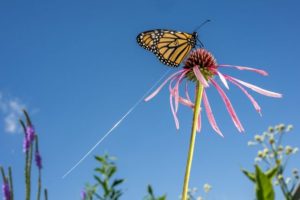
(28, 172)
(27, 178)
(40, 172)
(10, 183)
(27, 188)
(198, 100)
(46, 194)
(2, 173)
(39, 186)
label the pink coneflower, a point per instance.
(202, 66)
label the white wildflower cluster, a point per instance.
(273, 153)
(192, 192)
(270, 140)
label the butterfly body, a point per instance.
(170, 47)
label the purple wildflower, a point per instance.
(30, 133)
(38, 160)
(29, 137)
(26, 144)
(6, 191)
(83, 195)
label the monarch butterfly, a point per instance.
(170, 47)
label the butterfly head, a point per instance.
(195, 34)
(194, 39)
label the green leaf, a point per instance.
(111, 171)
(28, 121)
(162, 197)
(117, 182)
(98, 179)
(150, 191)
(112, 158)
(100, 159)
(104, 185)
(118, 194)
(250, 175)
(264, 187)
(272, 172)
(100, 170)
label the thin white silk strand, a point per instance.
(115, 125)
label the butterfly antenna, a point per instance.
(203, 23)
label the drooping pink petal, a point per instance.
(173, 92)
(199, 124)
(199, 76)
(259, 71)
(186, 102)
(253, 101)
(179, 80)
(229, 107)
(171, 103)
(210, 115)
(153, 94)
(223, 79)
(257, 89)
(174, 113)
(187, 91)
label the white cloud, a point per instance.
(11, 110)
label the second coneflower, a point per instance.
(202, 68)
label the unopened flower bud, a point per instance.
(289, 128)
(257, 159)
(280, 128)
(295, 150)
(207, 187)
(278, 162)
(266, 151)
(258, 138)
(251, 143)
(271, 129)
(271, 140)
(288, 150)
(260, 154)
(295, 171)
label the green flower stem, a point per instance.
(40, 172)
(2, 174)
(27, 193)
(46, 194)
(39, 186)
(28, 172)
(29, 168)
(10, 183)
(198, 100)
(27, 175)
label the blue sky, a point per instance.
(77, 68)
